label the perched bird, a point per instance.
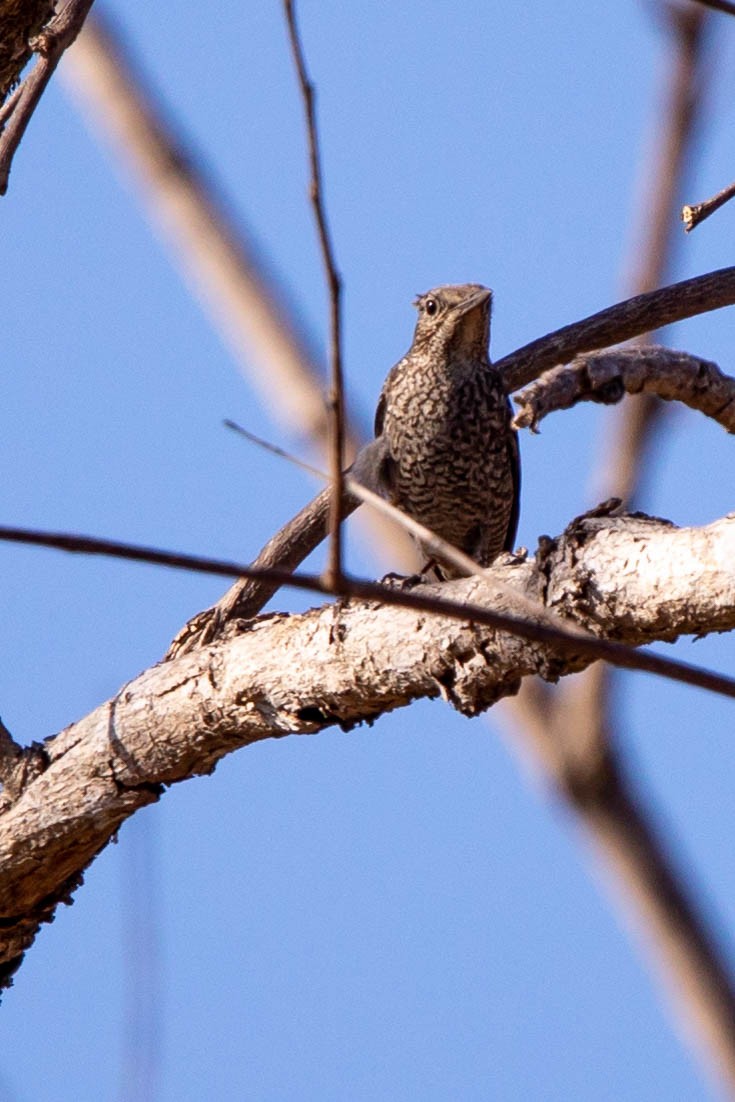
(445, 451)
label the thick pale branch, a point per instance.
(637, 579)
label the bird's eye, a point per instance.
(431, 306)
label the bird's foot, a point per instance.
(512, 558)
(402, 581)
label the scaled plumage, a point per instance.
(448, 454)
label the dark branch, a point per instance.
(619, 323)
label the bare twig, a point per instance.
(334, 284)
(647, 369)
(50, 44)
(569, 641)
(691, 216)
(434, 545)
(619, 323)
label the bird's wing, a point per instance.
(383, 399)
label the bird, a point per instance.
(445, 451)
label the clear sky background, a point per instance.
(400, 912)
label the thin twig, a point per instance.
(49, 45)
(691, 216)
(435, 545)
(619, 323)
(617, 654)
(334, 284)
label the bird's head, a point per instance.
(454, 319)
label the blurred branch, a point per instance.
(224, 264)
(606, 377)
(654, 896)
(49, 45)
(571, 730)
(334, 285)
(183, 199)
(677, 133)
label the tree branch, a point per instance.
(342, 664)
(50, 45)
(607, 376)
(619, 323)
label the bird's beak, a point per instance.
(473, 322)
(478, 298)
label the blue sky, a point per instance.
(401, 911)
